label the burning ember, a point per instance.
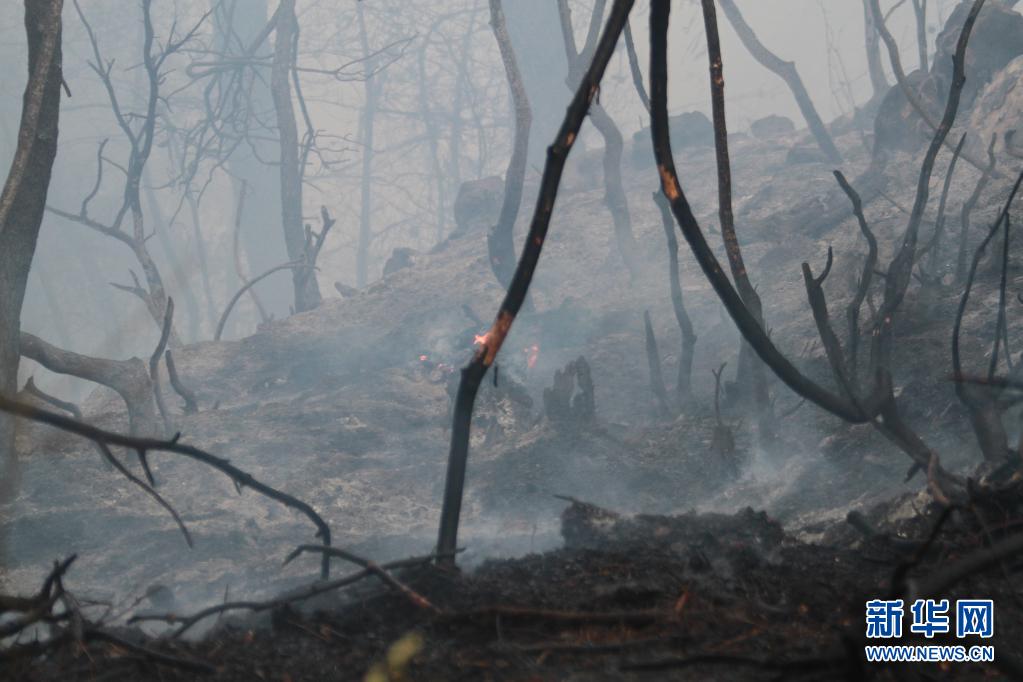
(532, 353)
(481, 339)
(435, 368)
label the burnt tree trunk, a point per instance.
(24, 199)
(307, 291)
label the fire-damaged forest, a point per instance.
(510, 339)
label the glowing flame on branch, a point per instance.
(481, 339)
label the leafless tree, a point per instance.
(139, 130)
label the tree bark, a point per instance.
(23, 201)
(787, 72)
(307, 291)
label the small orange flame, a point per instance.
(481, 339)
(422, 358)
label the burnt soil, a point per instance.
(689, 597)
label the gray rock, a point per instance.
(402, 257)
(772, 126)
(691, 129)
(477, 204)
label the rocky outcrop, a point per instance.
(999, 109)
